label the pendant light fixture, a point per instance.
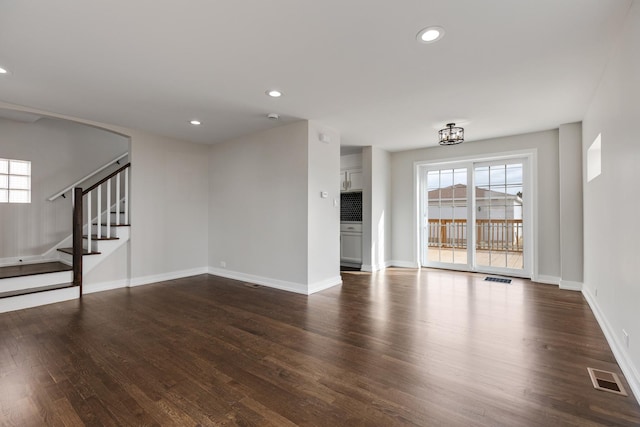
(451, 135)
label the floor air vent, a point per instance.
(252, 285)
(497, 279)
(606, 381)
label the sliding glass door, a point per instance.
(482, 230)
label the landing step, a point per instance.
(32, 269)
(29, 291)
(84, 251)
(95, 237)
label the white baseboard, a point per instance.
(549, 280)
(324, 284)
(403, 264)
(375, 267)
(41, 298)
(570, 286)
(617, 347)
(104, 286)
(298, 288)
(146, 280)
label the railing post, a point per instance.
(77, 238)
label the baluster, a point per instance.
(89, 221)
(126, 196)
(99, 203)
(109, 208)
(118, 199)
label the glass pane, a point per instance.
(19, 167)
(514, 174)
(4, 181)
(433, 180)
(19, 182)
(19, 196)
(497, 175)
(447, 213)
(4, 196)
(4, 166)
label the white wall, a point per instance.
(376, 205)
(258, 191)
(571, 241)
(611, 203)
(404, 240)
(323, 213)
(169, 207)
(61, 152)
(351, 161)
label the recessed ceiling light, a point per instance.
(4, 71)
(274, 93)
(195, 122)
(430, 34)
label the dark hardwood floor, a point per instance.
(395, 348)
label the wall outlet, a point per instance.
(626, 338)
(223, 264)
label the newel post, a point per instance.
(77, 238)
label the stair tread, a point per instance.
(35, 290)
(113, 225)
(32, 269)
(95, 237)
(84, 251)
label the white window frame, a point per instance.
(5, 183)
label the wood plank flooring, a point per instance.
(396, 348)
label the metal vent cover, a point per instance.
(497, 279)
(606, 381)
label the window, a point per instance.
(594, 159)
(15, 181)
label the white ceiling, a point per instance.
(503, 67)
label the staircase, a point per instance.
(95, 238)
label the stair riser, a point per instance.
(113, 231)
(35, 281)
(37, 299)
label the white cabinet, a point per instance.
(351, 243)
(351, 180)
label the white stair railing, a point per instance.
(102, 204)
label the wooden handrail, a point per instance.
(75, 184)
(105, 179)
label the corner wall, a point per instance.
(258, 192)
(611, 203)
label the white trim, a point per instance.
(298, 288)
(154, 278)
(549, 280)
(619, 352)
(375, 267)
(324, 284)
(104, 286)
(40, 298)
(570, 285)
(403, 264)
